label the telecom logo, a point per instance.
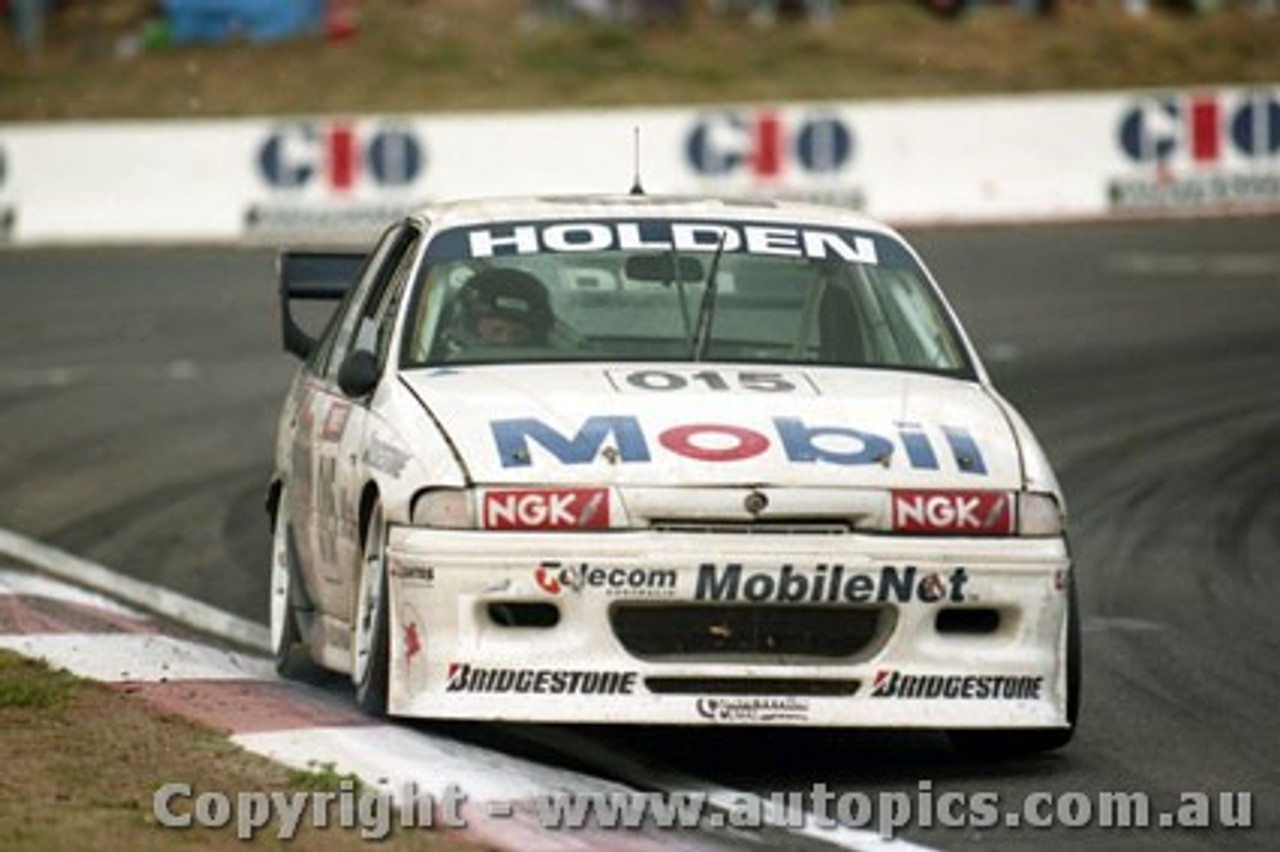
(1200, 150)
(764, 145)
(555, 578)
(341, 157)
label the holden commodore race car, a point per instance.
(655, 460)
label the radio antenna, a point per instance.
(636, 188)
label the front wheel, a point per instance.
(370, 646)
(290, 653)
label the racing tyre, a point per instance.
(292, 659)
(1012, 743)
(370, 646)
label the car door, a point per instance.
(307, 413)
(337, 447)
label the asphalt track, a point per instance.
(138, 391)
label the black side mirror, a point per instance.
(359, 374)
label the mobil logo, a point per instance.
(1200, 129)
(764, 144)
(340, 156)
(623, 440)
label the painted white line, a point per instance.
(36, 585)
(1123, 624)
(1001, 352)
(391, 756)
(41, 377)
(149, 657)
(1216, 265)
(189, 611)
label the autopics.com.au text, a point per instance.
(375, 813)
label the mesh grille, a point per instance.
(750, 633)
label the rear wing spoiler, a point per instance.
(315, 276)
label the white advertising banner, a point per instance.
(1204, 151)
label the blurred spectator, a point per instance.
(956, 8)
(28, 23)
(950, 8)
(654, 11)
(765, 13)
(1041, 8)
(606, 11)
(1258, 7)
(543, 11)
(215, 21)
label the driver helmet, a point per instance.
(502, 305)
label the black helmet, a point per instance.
(509, 293)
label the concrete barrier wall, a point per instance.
(1203, 151)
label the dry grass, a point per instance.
(82, 764)
(445, 55)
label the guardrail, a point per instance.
(1203, 151)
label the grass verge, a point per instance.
(83, 764)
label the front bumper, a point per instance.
(674, 628)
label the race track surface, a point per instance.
(138, 395)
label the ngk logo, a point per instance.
(955, 512)
(546, 509)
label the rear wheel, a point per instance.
(370, 646)
(1013, 742)
(291, 657)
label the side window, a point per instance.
(359, 327)
(322, 355)
(385, 315)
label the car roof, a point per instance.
(448, 214)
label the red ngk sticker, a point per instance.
(546, 509)
(953, 512)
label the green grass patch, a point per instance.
(32, 684)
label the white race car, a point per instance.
(650, 460)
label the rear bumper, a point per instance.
(646, 627)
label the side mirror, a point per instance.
(358, 375)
